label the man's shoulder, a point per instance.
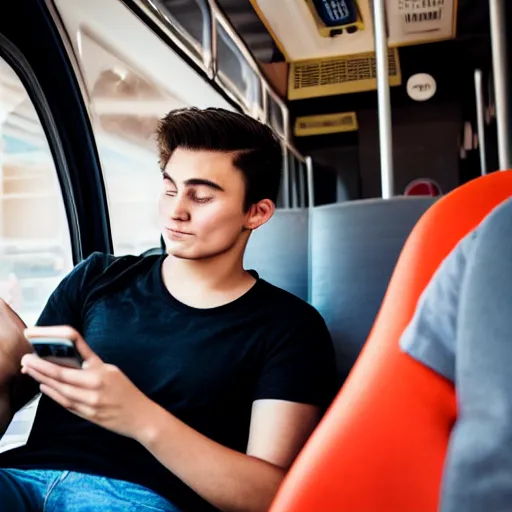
(101, 269)
(288, 306)
(99, 262)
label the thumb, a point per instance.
(90, 358)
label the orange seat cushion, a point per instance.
(382, 444)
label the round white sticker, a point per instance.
(421, 87)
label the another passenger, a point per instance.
(201, 381)
(462, 329)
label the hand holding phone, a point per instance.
(60, 351)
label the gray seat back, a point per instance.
(278, 251)
(354, 249)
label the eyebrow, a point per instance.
(196, 182)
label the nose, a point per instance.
(178, 209)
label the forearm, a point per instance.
(5, 409)
(13, 346)
(10, 363)
(229, 480)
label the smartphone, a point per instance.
(57, 350)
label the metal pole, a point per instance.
(309, 175)
(499, 64)
(302, 184)
(480, 120)
(385, 135)
(294, 182)
(286, 180)
(209, 39)
(213, 57)
(311, 204)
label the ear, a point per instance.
(259, 213)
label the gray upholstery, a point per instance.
(278, 251)
(354, 249)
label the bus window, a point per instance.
(190, 18)
(35, 244)
(275, 115)
(237, 75)
(127, 106)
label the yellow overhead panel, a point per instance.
(300, 34)
(339, 75)
(325, 124)
(294, 28)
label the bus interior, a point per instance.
(385, 110)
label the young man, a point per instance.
(201, 381)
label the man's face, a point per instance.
(201, 205)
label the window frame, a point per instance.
(201, 55)
(252, 107)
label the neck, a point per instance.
(221, 272)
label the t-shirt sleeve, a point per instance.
(301, 367)
(430, 336)
(64, 307)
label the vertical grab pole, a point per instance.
(286, 179)
(302, 184)
(385, 135)
(309, 180)
(499, 65)
(311, 204)
(479, 94)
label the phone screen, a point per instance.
(57, 350)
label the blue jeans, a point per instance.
(62, 491)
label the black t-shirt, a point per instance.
(205, 366)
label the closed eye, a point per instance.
(202, 200)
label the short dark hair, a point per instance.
(257, 150)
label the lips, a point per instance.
(177, 232)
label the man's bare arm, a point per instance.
(13, 346)
(232, 481)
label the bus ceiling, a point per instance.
(321, 58)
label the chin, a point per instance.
(182, 253)
(195, 255)
(177, 252)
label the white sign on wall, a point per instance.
(420, 21)
(421, 87)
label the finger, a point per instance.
(82, 410)
(65, 332)
(43, 379)
(56, 396)
(80, 378)
(72, 393)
